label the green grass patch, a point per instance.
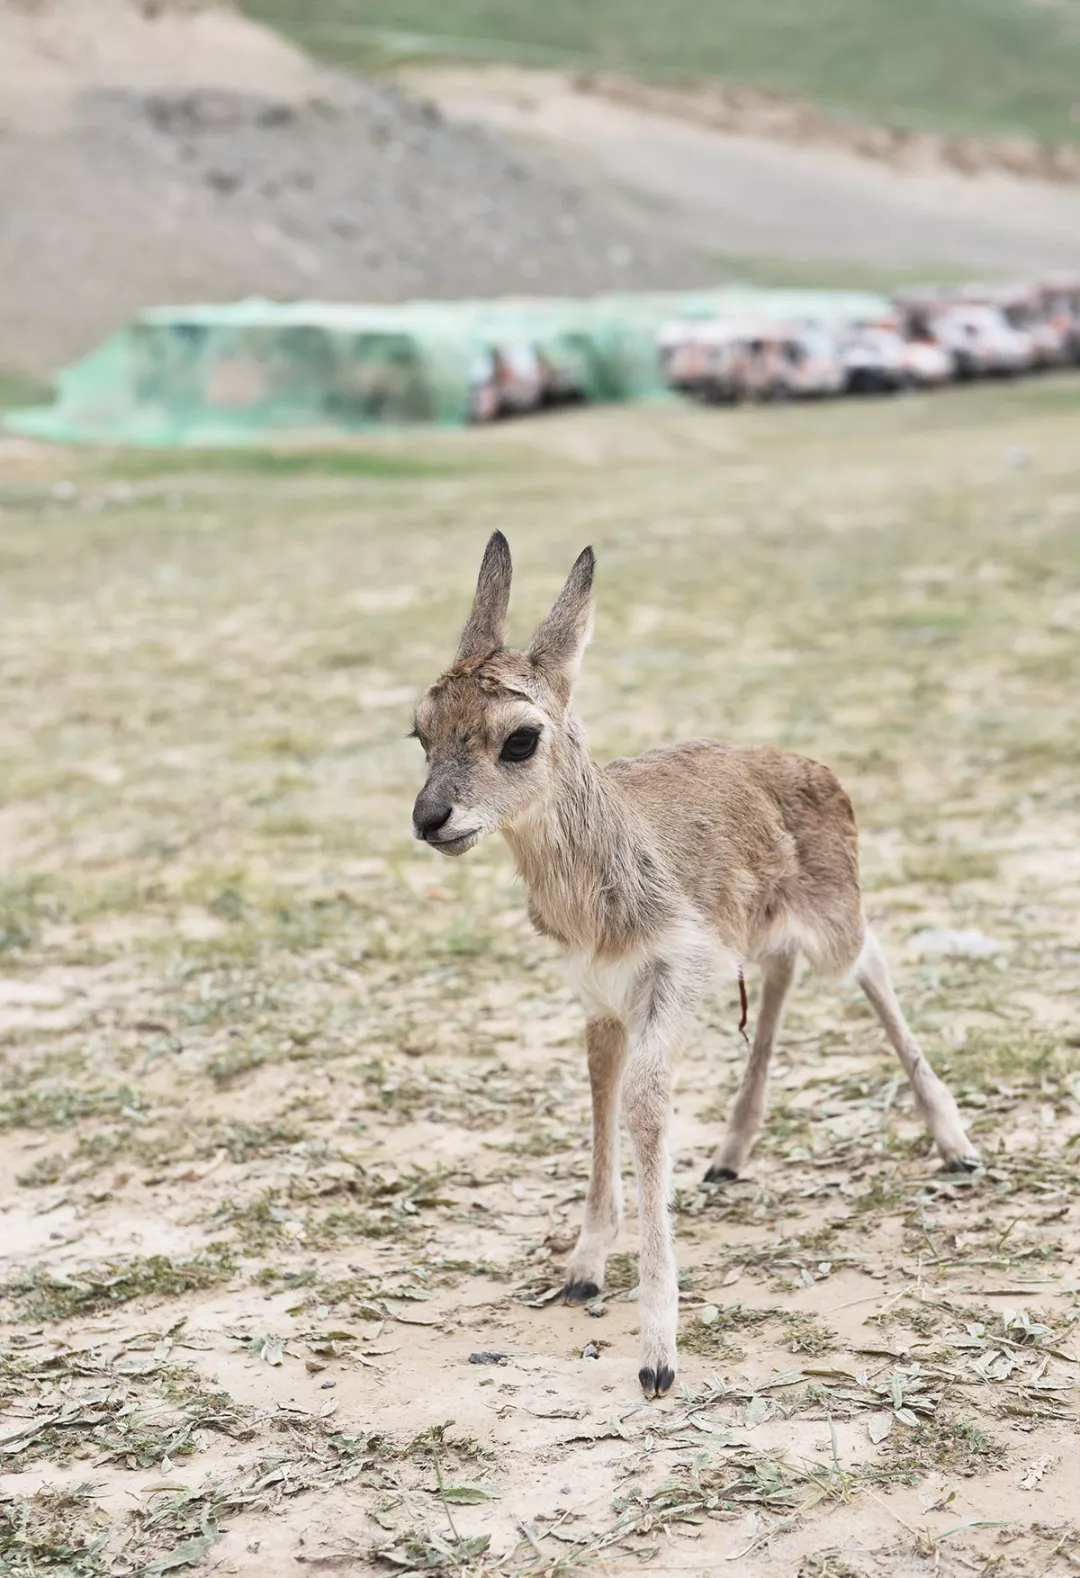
(979, 66)
(958, 1446)
(26, 903)
(270, 463)
(61, 1532)
(831, 273)
(58, 1106)
(39, 1295)
(19, 389)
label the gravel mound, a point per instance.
(338, 188)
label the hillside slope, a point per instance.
(771, 207)
(197, 156)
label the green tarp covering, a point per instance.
(238, 373)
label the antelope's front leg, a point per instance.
(666, 1002)
(605, 1040)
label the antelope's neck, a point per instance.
(594, 881)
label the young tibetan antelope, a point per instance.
(656, 875)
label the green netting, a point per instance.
(235, 373)
(225, 374)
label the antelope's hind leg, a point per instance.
(747, 1114)
(605, 1041)
(933, 1099)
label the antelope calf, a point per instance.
(656, 875)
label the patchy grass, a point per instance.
(18, 389)
(59, 1106)
(246, 1022)
(136, 1409)
(40, 1296)
(25, 903)
(56, 1531)
(711, 1333)
(272, 463)
(958, 1446)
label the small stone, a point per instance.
(709, 1315)
(596, 1310)
(590, 1351)
(487, 1357)
(223, 178)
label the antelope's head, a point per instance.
(493, 727)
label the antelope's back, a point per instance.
(763, 842)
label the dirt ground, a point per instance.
(295, 1116)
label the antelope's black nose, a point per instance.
(429, 816)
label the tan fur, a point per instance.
(653, 873)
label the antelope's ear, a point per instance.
(485, 628)
(560, 640)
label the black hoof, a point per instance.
(579, 1292)
(721, 1175)
(654, 1383)
(964, 1164)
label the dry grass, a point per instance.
(296, 1118)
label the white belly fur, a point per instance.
(607, 987)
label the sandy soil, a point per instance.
(295, 1120)
(750, 196)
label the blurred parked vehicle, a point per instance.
(874, 360)
(995, 349)
(695, 358)
(506, 380)
(706, 359)
(722, 361)
(813, 365)
(927, 365)
(1060, 297)
(932, 336)
(564, 373)
(1024, 310)
(931, 357)
(977, 335)
(518, 378)
(762, 366)
(483, 389)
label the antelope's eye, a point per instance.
(519, 746)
